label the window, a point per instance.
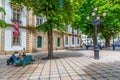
(77, 31)
(66, 40)
(67, 28)
(39, 20)
(72, 30)
(16, 14)
(72, 37)
(78, 40)
(73, 40)
(16, 40)
(58, 42)
(39, 42)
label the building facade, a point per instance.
(7, 40)
(29, 39)
(72, 38)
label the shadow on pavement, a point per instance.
(68, 54)
(91, 48)
(103, 71)
(58, 54)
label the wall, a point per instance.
(56, 35)
(8, 40)
(35, 21)
(9, 15)
(0, 18)
(8, 10)
(0, 6)
(0, 39)
(70, 38)
(24, 16)
(44, 41)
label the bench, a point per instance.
(26, 59)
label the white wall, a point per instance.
(69, 29)
(75, 31)
(0, 3)
(0, 37)
(0, 6)
(8, 39)
(35, 21)
(77, 41)
(66, 45)
(70, 38)
(70, 41)
(9, 14)
(72, 45)
(23, 14)
(64, 41)
(8, 10)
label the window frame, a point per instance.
(73, 41)
(40, 42)
(16, 13)
(58, 42)
(78, 40)
(66, 40)
(16, 44)
(40, 18)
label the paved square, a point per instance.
(71, 65)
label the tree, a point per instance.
(112, 20)
(2, 22)
(111, 23)
(80, 21)
(57, 12)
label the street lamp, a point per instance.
(113, 40)
(95, 22)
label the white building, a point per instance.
(71, 38)
(7, 40)
(27, 39)
(84, 39)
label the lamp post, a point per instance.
(113, 40)
(95, 22)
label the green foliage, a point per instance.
(47, 25)
(2, 10)
(55, 14)
(80, 21)
(3, 24)
(112, 20)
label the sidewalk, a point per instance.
(71, 65)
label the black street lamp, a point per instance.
(95, 22)
(113, 40)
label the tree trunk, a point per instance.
(107, 37)
(50, 43)
(107, 42)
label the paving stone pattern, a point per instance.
(71, 65)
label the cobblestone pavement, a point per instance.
(71, 65)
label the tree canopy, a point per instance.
(111, 22)
(2, 22)
(57, 12)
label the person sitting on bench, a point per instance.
(11, 59)
(23, 55)
(20, 56)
